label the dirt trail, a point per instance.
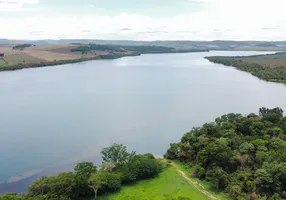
(196, 185)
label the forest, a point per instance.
(119, 167)
(22, 46)
(243, 155)
(85, 48)
(269, 72)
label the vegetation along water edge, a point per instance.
(271, 67)
(235, 157)
(31, 56)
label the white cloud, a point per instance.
(221, 19)
(15, 5)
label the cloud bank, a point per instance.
(220, 19)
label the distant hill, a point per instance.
(212, 45)
(266, 45)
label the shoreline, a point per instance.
(253, 73)
(62, 62)
(79, 60)
(19, 183)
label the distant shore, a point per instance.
(62, 62)
(99, 57)
(24, 56)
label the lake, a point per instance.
(55, 116)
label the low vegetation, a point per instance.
(168, 185)
(119, 167)
(242, 155)
(3, 63)
(202, 183)
(267, 67)
(22, 46)
(22, 58)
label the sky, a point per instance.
(143, 19)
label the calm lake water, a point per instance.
(61, 114)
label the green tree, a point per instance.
(104, 180)
(65, 184)
(173, 151)
(148, 167)
(40, 186)
(219, 177)
(96, 182)
(85, 169)
(263, 181)
(117, 153)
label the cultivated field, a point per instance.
(44, 53)
(23, 58)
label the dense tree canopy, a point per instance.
(244, 155)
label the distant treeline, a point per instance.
(85, 48)
(22, 46)
(94, 47)
(268, 73)
(61, 62)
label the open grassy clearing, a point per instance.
(169, 185)
(206, 185)
(51, 56)
(2, 63)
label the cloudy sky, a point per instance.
(144, 19)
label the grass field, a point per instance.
(167, 186)
(21, 58)
(207, 185)
(2, 63)
(44, 53)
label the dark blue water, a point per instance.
(61, 114)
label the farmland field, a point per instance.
(21, 58)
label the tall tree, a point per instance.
(117, 153)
